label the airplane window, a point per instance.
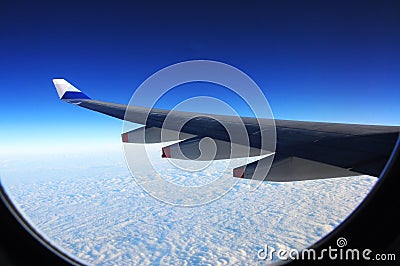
(251, 130)
(162, 209)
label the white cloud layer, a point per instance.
(91, 207)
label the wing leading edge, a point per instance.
(304, 150)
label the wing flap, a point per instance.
(365, 154)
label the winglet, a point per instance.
(66, 91)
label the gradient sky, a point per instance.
(333, 61)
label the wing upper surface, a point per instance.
(357, 148)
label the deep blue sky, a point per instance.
(315, 60)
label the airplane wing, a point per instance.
(304, 150)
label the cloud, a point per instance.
(96, 212)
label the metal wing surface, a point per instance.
(302, 150)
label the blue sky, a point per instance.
(315, 60)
